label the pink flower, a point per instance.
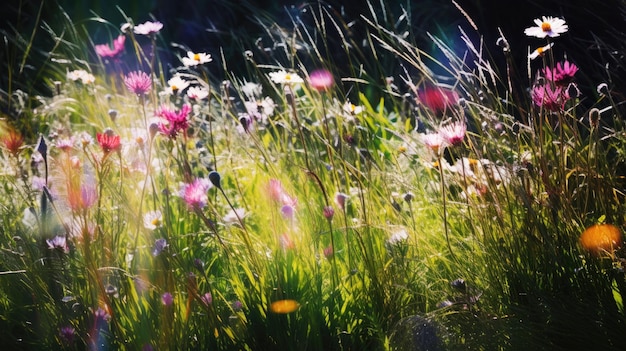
(548, 97)
(148, 28)
(105, 51)
(195, 193)
(278, 194)
(562, 74)
(83, 197)
(453, 133)
(321, 80)
(438, 100)
(175, 121)
(138, 82)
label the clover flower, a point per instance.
(547, 27)
(207, 298)
(194, 59)
(148, 28)
(105, 51)
(138, 82)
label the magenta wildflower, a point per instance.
(83, 197)
(453, 133)
(321, 80)
(195, 193)
(547, 97)
(278, 194)
(138, 82)
(175, 122)
(438, 100)
(148, 28)
(167, 299)
(562, 74)
(105, 51)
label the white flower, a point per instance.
(233, 216)
(148, 28)
(194, 59)
(197, 93)
(176, 84)
(252, 90)
(547, 27)
(352, 109)
(433, 141)
(540, 51)
(82, 75)
(152, 220)
(398, 237)
(283, 77)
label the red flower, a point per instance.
(321, 80)
(438, 99)
(109, 141)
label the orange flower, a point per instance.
(601, 238)
(284, 306)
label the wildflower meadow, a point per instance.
(334, 181)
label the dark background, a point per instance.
(596, 37)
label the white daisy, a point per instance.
(176, 84)
(197, 93)
(152, 220)
(547, 27)
(283, 77)
(540, 51)
(194, 59)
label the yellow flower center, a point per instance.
(174, 88)
(402, 149)
(545, 26)
(540, 51)
(287, 77)
(139, 140)
(196, 57)
(156, 222)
